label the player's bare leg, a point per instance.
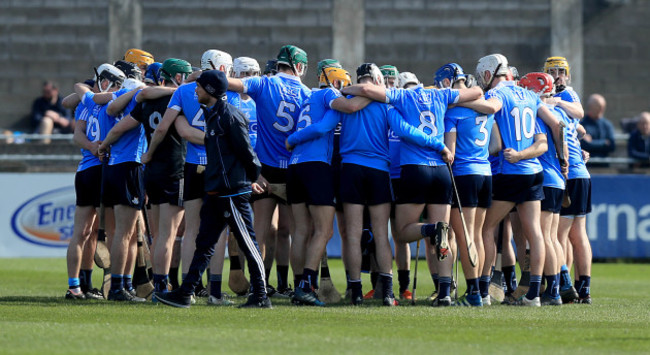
(529, 215)
(583, 255)
(170, 217)
(403, 262)
(269, 258)
(192, 222)
(283, 247)
(437, 213)
(125, 220)
(83, 221)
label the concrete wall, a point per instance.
(64, 39)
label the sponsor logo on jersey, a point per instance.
(46, 219)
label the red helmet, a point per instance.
(539, 83)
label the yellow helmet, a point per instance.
(138, 57)
(335, 74)
(556, 62)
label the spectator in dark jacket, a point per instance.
(599, 140)
(638, 146)
(48, 114)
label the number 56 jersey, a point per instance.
(517, 122)
(279, 99)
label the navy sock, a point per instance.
(355, 287)
(473, 287)
(173, 277)
(445, 287)
(296, 280)
(267, 273)
(387, 284)
(556, 288)
(436, 280)
(314, 280)
(585, 284)
(183, 276)
(128, 282)
(550, 285)
(484, 285)
(373, 279)
(282, 273)
(509, 276)
(325, 271)
(565, 277)
(533, 287)
(234, 263)
(215, 285)
(404, 279)
(160, 282)
(86, 279)
(117, 282)
(308, 277)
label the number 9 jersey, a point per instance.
(517, 121)
(279, 99)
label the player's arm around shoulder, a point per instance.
(471, 94)
(351, 105)
(373, 92)
(154, 92)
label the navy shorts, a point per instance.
(474, 191)
(87, 185)
(552, 201)
(579, 191)
(395, 183)
(362, 185)
(274, 176)
(425, 184)
(193, 182)
(518, 188)
(124, 185)
(164, 190)
(311, 183)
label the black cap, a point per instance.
(364, 70)
(214, 82)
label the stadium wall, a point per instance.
(64, 39)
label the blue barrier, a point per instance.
(618, 226)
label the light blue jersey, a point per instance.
(424, 109)
(577, 166)
(473, 132)
(568, 94)
(364, 134)
(313, 111)
(394, 153)
(517, 121)
(550, 164)
(279, 99)
(133, 143)
(249, 109)
(186, 101)
(98, 123)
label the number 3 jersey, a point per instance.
(424, 109)
(473, 132)
(279, 99)
(517, 122)
(169, 158)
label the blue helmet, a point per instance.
(153, 73)
(451, 71)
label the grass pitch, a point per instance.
(35, 318)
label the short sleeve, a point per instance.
(253, 85)
(451, 96)
(451, 123)
(136, 113)
(331, 95)
(87, 100)
(176, 102)
(395, 95)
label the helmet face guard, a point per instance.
(110, 73)
(451, 71)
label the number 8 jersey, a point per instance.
(279, 99)
(517, 121)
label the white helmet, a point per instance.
(111, 73)
(131, 84)
(405, 78)
(214, 59)
(496, 64)
(246, 65)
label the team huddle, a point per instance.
(229, 156)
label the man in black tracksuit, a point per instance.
(232, 167)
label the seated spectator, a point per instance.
(48, 114)
(638, 146)
(599, 140)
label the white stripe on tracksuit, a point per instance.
(239, 220)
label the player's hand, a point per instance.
(447, 156)
(146, 158)
(264, 185)
(511, 155)
(257, 189)
(587, 138)
(95, 148)
(287, 145)
(102, 151)
(586, 155)
(564, 168)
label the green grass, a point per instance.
(34, 318)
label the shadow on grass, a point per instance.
(46, 301)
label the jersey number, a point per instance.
(482, 120)
(154, 120)
(524, 121)
(282, 113)
(304, 117)
(428, 120)
(198, 120)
